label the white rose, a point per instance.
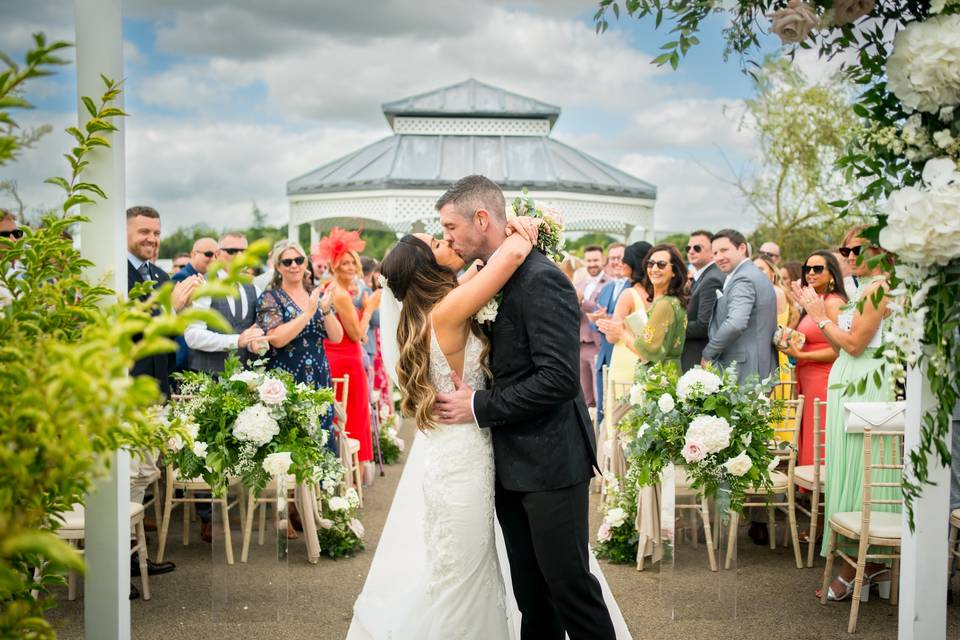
(175, 443)
(943, 139)
(666, 403)
(250, 378)
(637, 394)
(924, 69)
(643, 429)
(847, 11)
(272, 391)
(488, 313)
(277, 464)
(693, 451)
(697, 382)
(946, 114)
(712, 431)
(199, 449)
(192, 429)
(338, 504)
(739, 465)
(615, 517)
(325, 523)
(329, 486)
(795, 22)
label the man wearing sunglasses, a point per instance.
(707, 278)
(204, 251)
(770, 251)
(9, 233)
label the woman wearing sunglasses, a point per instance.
(296, 319)
(820, 272)
(663, 337)
(856, 334)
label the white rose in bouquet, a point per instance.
(325, 523)
(924, 69)
(712, 431)
(277, 464)
(847, 11)
(329, 486)
(638, 394)
(697, 382)
(666, 403)
(604, 533)
(272, 391)
(357, 527)
(693, 451)
(338, 503)
(795, 22)
(615, 517)
(249, 378)
(256, 425)
(175, 443)
(739, 465)
(199, 449)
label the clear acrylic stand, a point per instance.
(694, 541)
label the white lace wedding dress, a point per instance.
(440, 568)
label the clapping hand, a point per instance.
(811, 301)
(183, 292)
(314, 301)
(371, 302)
(612, 329)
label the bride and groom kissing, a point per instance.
(503, 426)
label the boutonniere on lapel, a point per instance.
(719, 294)
(488, 312)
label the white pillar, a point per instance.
(99, 27)
(923, 567)
(293, 231)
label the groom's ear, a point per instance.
(483, 219)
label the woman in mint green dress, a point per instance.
(856, 335)
(662, 338)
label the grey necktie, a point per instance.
(144, 271)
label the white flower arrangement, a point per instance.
(338, 503)
(256, 425)
(924, 69)
(249, 378)
(277, 464)
(272, 391)
(488, 313)
(739, 465)
(200, 449)
(666, 403)
(697, 382)
(711, 432)
(615, 517)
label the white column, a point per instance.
(99, 43)
(923, 567)
(293, 231)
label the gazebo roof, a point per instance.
(432, 161)
(470, 98)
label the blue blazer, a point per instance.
(184, 273)
(607, 301)
(183, 351)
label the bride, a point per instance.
(459, 592)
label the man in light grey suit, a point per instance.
(745, 317)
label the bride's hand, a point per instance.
(526, 227)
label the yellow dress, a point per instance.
(786, 370)
(623, 361)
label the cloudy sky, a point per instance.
(230, 99)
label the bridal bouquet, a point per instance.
(250, 423)
(550, 238)
(719, 429)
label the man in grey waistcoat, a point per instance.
(209, 349)
(745, 316)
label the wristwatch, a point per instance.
(823, 323)
(331, 310)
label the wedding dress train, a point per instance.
(440, 567)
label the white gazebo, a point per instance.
(468, 128)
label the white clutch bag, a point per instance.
(882, 416)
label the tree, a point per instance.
(802, 130)
(576, 246)
(259, 217)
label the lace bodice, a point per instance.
(440, 370)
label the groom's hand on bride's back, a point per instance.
(456, 407)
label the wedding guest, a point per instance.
(204, 250)
(745, 317)
(179, 262)
(849, 280)
(787, 316)
(606, 305)
(707, 279)
(633, 305)
(570, 266)
(10, 232)
(587, 293)
(663, 337)
(821, 272)
(855, 334)
(298, 321)
(368, 266)
(770, 251)
(339, 250)
(614, 259)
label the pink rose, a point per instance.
(325, 523)
(847, 11)
(272, 391)
(694, 451)
(604, 533)
(357, 527)
(794, 23)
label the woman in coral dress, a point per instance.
(339, 250)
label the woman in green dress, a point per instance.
(856, 336)
(662, 338)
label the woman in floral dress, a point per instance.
(663, 337)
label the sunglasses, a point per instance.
(768, 255)
(813, 268)
(232, 251)
(16, 234)
(659, 264)
(696, 248)
(846, 251)
(207, 254)
(289, 262)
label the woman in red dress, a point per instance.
(340, 251)
(821, 271)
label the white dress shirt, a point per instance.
(730, 275)
(200, 338)
(699, 272)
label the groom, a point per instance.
(542, 436)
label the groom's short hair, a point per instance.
(475, 192)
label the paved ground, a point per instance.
(293, 600)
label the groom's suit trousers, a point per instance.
(545, 533)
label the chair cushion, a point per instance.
(805, 474)
(74, 520)
(883, 524)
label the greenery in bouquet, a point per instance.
(340, 531)
(391, 444)
(719, 429)
(550, 238)
(249, 423)
(617, 539)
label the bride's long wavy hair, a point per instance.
(418, 282)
